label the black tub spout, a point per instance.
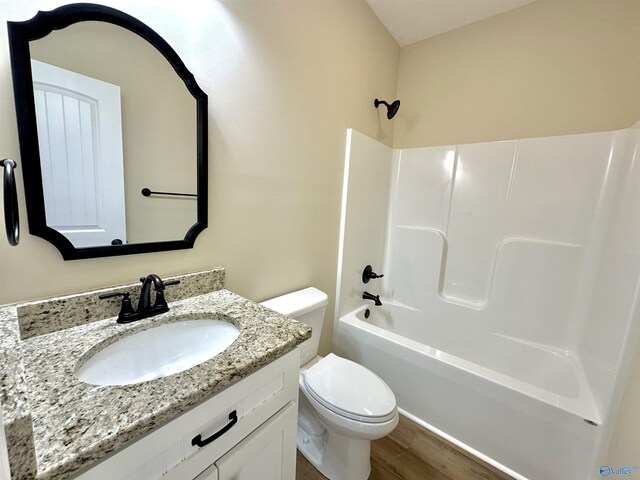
(370, 296)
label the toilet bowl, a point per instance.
(342, 405)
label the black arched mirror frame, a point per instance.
(20, 34)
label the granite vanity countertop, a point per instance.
(75, 424)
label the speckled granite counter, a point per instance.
(56, 425)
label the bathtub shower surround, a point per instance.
(510, 290)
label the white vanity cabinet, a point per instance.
(253, 423)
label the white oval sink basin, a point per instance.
(158, 352)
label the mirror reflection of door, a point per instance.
(80, 138)
(158, 123)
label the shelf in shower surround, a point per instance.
(538, 241)
(528, 268)
(420, 229)
(463, 302)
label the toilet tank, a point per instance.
(306, 306)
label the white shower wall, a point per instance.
(534, 239)
(363, 226)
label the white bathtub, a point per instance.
(523, 407)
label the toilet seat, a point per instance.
(350, 390)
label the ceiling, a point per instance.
(410, 21)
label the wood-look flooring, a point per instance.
(411, 452)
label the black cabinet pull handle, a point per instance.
(197, 440)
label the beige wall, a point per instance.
(553, 67)
(285, 79)
(158, 121)
(549, 68)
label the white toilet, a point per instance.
(343, 405)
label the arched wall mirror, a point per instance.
(113, 134)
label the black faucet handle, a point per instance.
(161, 302)
(126, 309)
(369, 274)
(114, 294)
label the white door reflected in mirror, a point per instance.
(80, 124)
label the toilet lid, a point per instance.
(350, 389)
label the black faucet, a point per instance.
(145, 309)
(144, 303)
(375, 298)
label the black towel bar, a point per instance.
(146, 192)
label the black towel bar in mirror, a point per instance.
(11, 219)
(147, 193)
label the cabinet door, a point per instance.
(269, 453)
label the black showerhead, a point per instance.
(391, 109)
